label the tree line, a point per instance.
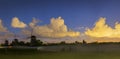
(16, 42)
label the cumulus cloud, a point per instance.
(56, 29)
(33, 23)
(57, 24)
(2, 28)
(16, 23)
(101, 29)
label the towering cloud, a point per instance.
(2, 28)
(16, 23)
(56, 29)
(58, 25)
(101, 29)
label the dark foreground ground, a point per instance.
(62, 55)
(63, 52)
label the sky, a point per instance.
(76, 14)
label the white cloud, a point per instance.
(33, 23)
(16, 23)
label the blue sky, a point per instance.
(76, 13)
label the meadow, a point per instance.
(62, 55)
(69, 52)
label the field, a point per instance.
(62, 55)
(69, 52)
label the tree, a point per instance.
(38, 43)
(76, 42)
(6, 43)
(84, 42)
(15, 42)
(12, 44)
(62, 42)
(21, 43)
(35, 42)
(27, 44)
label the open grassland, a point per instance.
(63, 52)
(63, 55)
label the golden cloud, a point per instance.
(101, 29)
(56, 29)
(16, 23)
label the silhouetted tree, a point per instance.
(38, 43)
(76, 42)
(6, 43)
(12, 44)
(62, 42)
(27, 44)
(84, 42)
(35, 42)
(21, 43)
(15, 42)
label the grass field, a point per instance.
(83, 52)
(63, 55)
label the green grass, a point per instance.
(63, 55)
